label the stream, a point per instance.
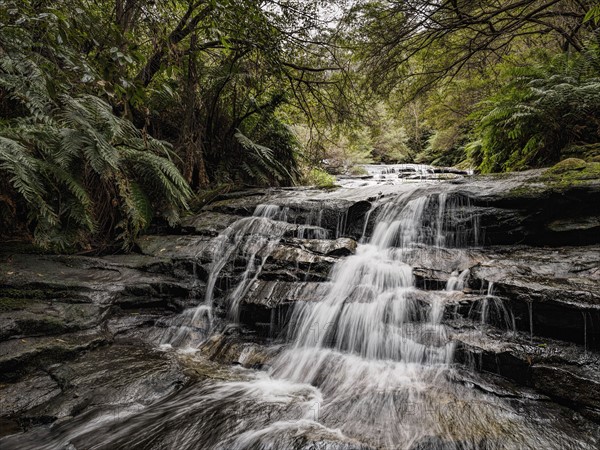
(363, 346)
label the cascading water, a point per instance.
(250, 239)
(368, 366)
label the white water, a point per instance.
(394, 174)
(375, 356)
(250, 239)
(369, 365)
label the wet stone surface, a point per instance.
(468, 316)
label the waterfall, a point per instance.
(456, 282)
(366, 364)
(371, 342)
(250, 239)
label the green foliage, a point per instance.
(319, 178)
(73, 170)
(540, 113)
(85, 85)
(593, 15)
(260, 163)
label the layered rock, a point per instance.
(522, 310)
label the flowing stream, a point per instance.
(367, 365)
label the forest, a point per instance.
(115, 114)
(299, 224)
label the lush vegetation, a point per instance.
(115, 113)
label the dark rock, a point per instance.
(208, 223)
(112, 379)
(20, 356)
(553, 293)
(174, 247)
(338, 247)
(566, 373)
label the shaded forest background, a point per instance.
(115, 113)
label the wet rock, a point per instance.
(20, 356)
(566, 373)
(208, 223)
(558, 206)
(174, 247)
(272, 293)
(18, 398)
(581, 224)
(311, 266)
(44, 318)
(53, 308)
(233, 349)
(575, 386)
(554, 293)
(112, 378)
(337, 247)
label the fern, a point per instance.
(264, 161)
(78, 170)
(539, 115)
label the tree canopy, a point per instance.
(117, 113)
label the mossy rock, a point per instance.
(588, 152)
(572, 172)
(567, 165)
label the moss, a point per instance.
(358, 171)
(527, 190)
(571, 172)
(320, 178)
(567, 165)
(495, 175)
(588, 152)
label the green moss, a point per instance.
(567, 165)
(527, 190)
(13, 304)
(588, 152)
(571, 172)
(358, 171)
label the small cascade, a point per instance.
(371, 359)
(249, 240)
(492, 310)
(457, 279)
(313, 226)
(373, 335)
